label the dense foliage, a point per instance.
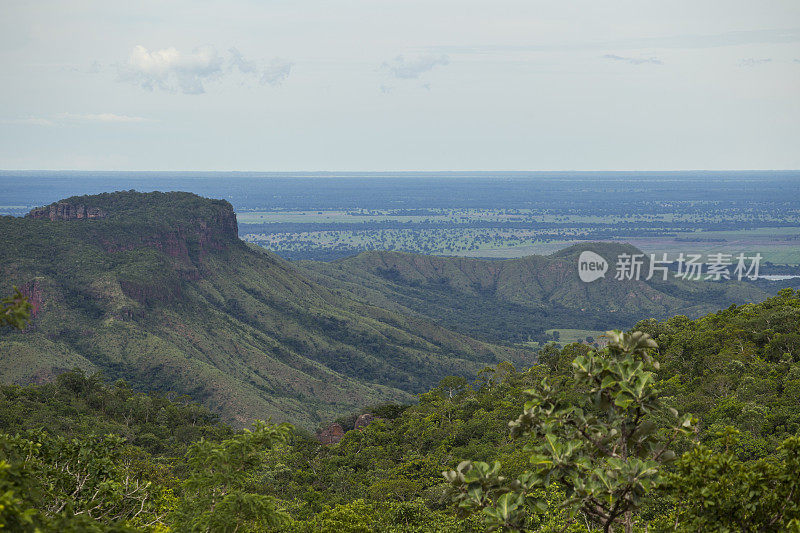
(604, 449)
(15, 310)
(76, 404)
(738, 367)
(78, 454)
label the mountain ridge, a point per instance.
(161, 292)
(546, 288)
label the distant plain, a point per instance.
(324, 216)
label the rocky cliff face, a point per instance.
(34, 293)
(188, 241)
(193, 235)
(182, 226)
(66, 211)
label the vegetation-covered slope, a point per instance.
(517, 299)
(735, 370)
(158, 289)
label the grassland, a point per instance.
(566, 336)
(778, 245)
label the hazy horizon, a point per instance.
(390, 86)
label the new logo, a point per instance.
(591, 266)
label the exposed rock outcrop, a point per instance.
(188, 241)
(66, 211)
(334, 433)
(330, 435)
(35, 295)
(364, 420)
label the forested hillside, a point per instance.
(157, 289)
(515, 300)
(730, 380)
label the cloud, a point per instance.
(276, 72)
(634, 60)
(102, 117)
(169, 69)
(75, 118)
(237, 61)
(754, 62)
(29, 121)
(403, 68)
(687, 41)
(273, 74)
(172, 70)
(731, 38)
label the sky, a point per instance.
(361, 85)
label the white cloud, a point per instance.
(276, 72)
(75, 118)
(403, 68)
(754, 62)
(718, 40)
(169, 69)
(273, 74)
(237, 61)
(29, 121)
(635, 60)
(101, 117)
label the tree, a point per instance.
(216, 494)
(80, 484)
(451, 386)
(15, 310)
(716, 491)
(603, 450)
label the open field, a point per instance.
(568, 336)
(467, 216)
(779, 245)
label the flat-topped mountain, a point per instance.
(183, 225)
(160, 291)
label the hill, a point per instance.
(158, 289)
(737, 370)
(517, 299)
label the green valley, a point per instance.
(159, 290)
(516, 300)
(732, 376)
